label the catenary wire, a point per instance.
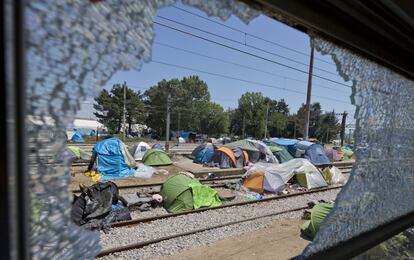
(245, 44)
(242, 66)
(243, 80)
(249, 34)
(248, 53)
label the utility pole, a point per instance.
(267, 119)
(308, 98)
(244, 125)
(124, 114)
(179, 119)
(343, 124)
(167, 128)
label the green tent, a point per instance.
(318, 213)
(248, 147)
(244, 145)
(281, 153)
(182, 193)
(156, 157)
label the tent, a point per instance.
(203, 153)
(333, 155)
(308, 176)
(78, 135)
(254, 181)
(313, 152)
(188, 136)
(250, 148)
(225, 157)
(113, 159)
(266, 154)
(281, 153)
(138, 150)
(158, 146)
(287, 143)
(317, 215)
(156, 157)
(78, 153)
(304, 172)
(182, 193)
(258, 179)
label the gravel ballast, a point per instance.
(170, 226)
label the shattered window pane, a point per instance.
(73, 48)
(384, 143)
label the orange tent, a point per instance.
(254, 182)
(229, 153)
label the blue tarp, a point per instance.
(284, 141)
(287, 143)
(110, 160)
(313, 152)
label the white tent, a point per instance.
(306, 173)
(138, 150)
(263, 148)
(273, 183)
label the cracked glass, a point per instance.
(73, 49)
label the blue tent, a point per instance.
(113, 159)
(188, 136)
(287, 143)
(78, 135)
(203, 153)
(313, 152)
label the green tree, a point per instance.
(278, 117)
(191, 108)
(328, 127)
(249, 115)
(314, 119)
(109, 108)
(214, 121)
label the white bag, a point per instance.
(144, 171)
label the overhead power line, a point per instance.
(243, 43)
(243, 80)
(243, 66)
(249, 34)
(248, 53)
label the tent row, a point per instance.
(277, 151)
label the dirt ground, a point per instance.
(281, 240)
(79, 178)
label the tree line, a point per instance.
(192, 110)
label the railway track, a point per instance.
(158, 184)
(194, 231)
(235, 204)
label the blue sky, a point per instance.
(226, 91)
